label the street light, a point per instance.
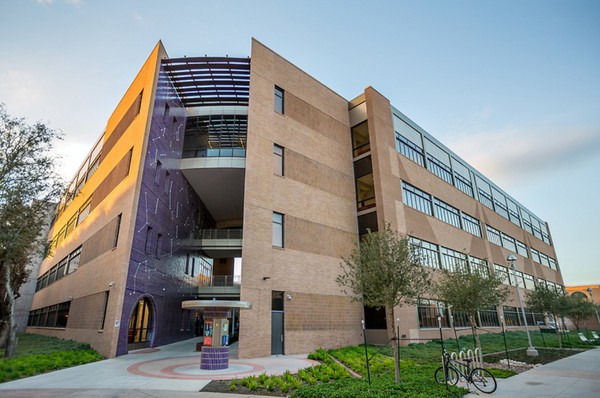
(531, 351)
(589, 290)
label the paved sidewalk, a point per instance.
(171, 371)
(577, 376)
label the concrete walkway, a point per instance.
(574, 376)
(171, 371)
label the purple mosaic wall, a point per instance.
(168, 210)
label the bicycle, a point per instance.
(449, 373)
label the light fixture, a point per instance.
(531, 351)
(289, 297)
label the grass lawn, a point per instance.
(39, 354)
(418, 364)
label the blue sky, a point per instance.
(513, 87)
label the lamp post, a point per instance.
(589, 290)
(531, 351)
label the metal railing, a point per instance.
(226, 280)
(221, 234)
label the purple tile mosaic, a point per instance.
(214, 358)
(168, 210)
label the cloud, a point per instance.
(513, 154)
(20, 88)
(139, 19)
(75, 3)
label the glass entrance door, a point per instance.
(140, 325)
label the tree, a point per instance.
(549, 300)
(468, 291)
(28, 183)
(578, 309)
(384, 271)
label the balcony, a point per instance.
(216, 243)
(221, 286)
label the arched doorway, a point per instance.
(140, 325)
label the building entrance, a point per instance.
(140, 326)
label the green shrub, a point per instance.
(233, 385)
(381, 387)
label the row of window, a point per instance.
(77, 219)
(422, 150)
(524, 280)
(54, 316)
(439, 257)
(64, 267)
(430, 205)
(87, 169)
(516, 246)
(425, 203)
(428, 311)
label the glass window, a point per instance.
(71, 224)
(277, 229)
(84, 211)
(462, 177)
(500, 203)
(429, 310)
(511, 316)
(407, 131)
(520, 280)
(488, 317)
(527, 226)
(509, 242)
(485, 192)
(479, 266)
(428, 253)
(416, 198)
(471, 224)
(553, 264)
(503, 272)
(60, 272)
(279, 96)
(522, 249)
(452, 260)
(529, 281)
(360, 139)
(365, 191)
(74, 260)
(447, 213)
(62, 314)
(438, 161)
(278, 155)
(535, 255)
(409, 149)
(545, 260)
(513, 212)
(493, 235)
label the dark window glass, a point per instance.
(278, 155)
(276, 300)
(277, 229)
(279, 97)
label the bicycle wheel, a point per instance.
(483, 380)
(451, 376)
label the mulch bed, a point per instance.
(222, 386)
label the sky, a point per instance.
(513, 87)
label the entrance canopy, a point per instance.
(201, 304)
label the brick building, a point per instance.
(247, 179)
